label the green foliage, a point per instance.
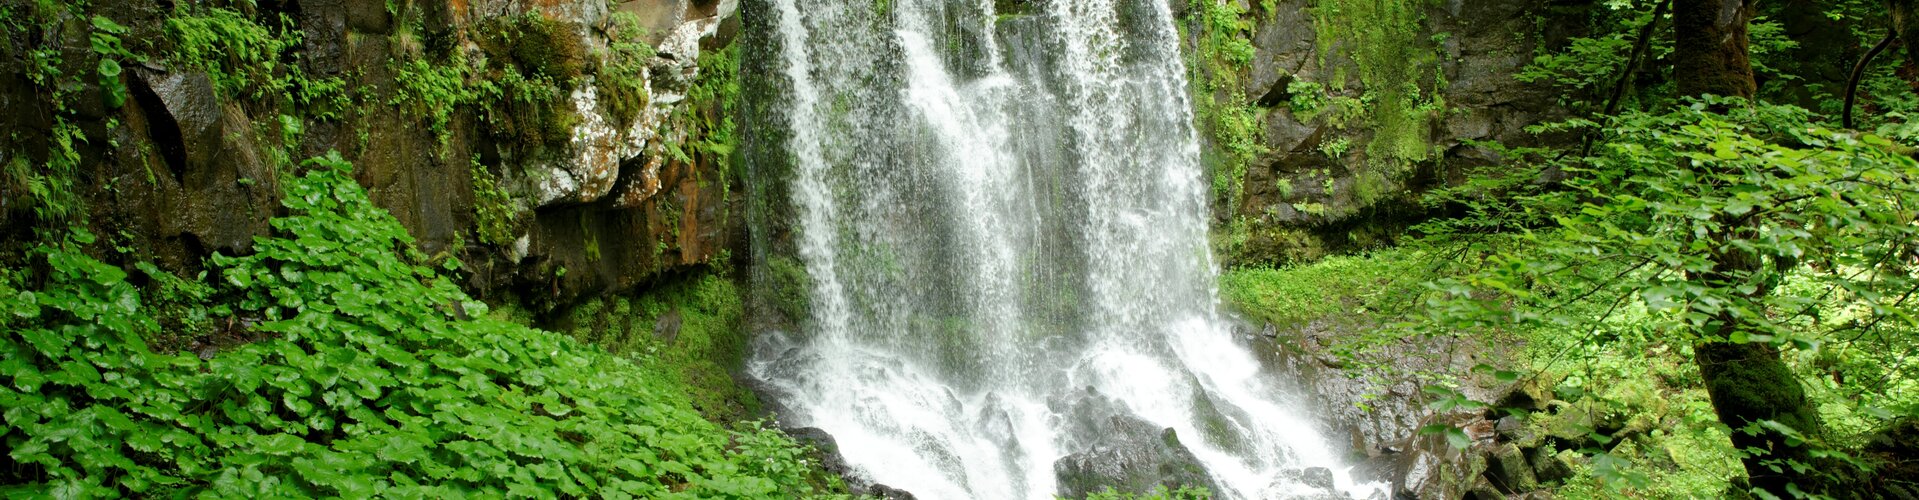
(1335, 149)
(178, 304)
(240, 56)
(1306, 98)
(1585, 70)
(691, 329)
(106, 44)
(715, 98)
(621, 75)
(1596, 279)
(434, 91)
(522, 85)
(50, 185)
(1632, 392)
(494, 211)
(1813, 195)
(1223, 54)
(244, 57)
(1802, 228)
(1587, 64)
(1396, 67)
(1767, 43)
(527, 111)
(363, 378)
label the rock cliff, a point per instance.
(559, 149)
(1355, 109)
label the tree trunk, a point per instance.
(1747, 382)
(1905, 22)
(1709, 56)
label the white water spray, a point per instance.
(997, 214)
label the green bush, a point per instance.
(363, 377)
(689, 328)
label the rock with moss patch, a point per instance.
(1122, 451)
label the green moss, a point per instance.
(708, 119)
(670, 215)
(1012, 8)
(1214, 426)
(1222, 55)
(541, 46)
(531, 65)
(1328, 287)
(1396, 65)
(529, 112)
(791, 288)
(621, 72)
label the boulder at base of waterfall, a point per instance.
(1135, 457)
(824, 449)
(1311, 483)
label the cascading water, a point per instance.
(1002, 217)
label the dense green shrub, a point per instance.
(363, 376)
(691, 328)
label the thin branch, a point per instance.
(1559, 356)
(1859, 72)
(1602, 285)
(1639, 50)
(1877, 318)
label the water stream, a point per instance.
(999, 214)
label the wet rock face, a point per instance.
(1319, 190)
(1122, 452)
(826, 452)
(209, 189)
(606, 207)
(1375, 415)
(1381, 415)
(1431, 468)
(1312, 483)
(1136, 460)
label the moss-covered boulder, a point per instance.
(1121, 451)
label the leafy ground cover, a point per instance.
(366, 374)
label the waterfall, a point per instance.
(999, 215)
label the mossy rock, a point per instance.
(533, 64)
(542, 46)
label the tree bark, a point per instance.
(1905, 21)
(1748, 382)
(1710, 47)
(1858, 73)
